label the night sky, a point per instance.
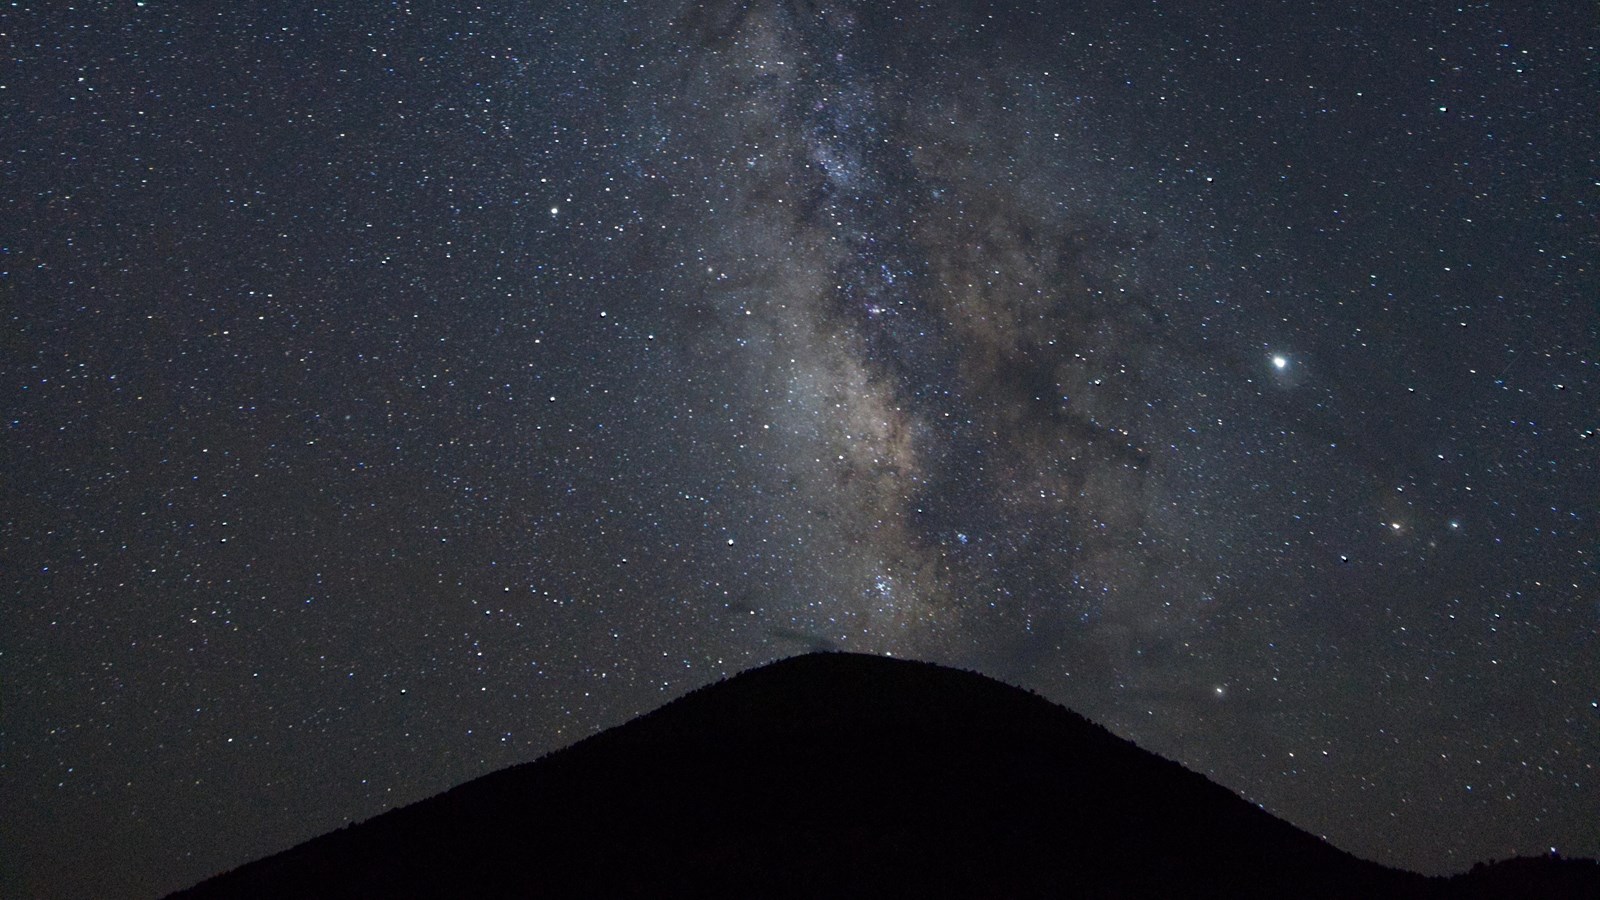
(396, 393)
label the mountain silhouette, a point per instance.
(843, 775)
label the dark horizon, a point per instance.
(839, 774)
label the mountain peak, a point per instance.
(833, 774)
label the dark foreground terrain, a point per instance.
(839, 775)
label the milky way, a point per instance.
(395, 396)
(967, 361)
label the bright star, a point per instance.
(1279, 361)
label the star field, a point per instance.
(396, 394)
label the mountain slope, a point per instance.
(832, 775)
